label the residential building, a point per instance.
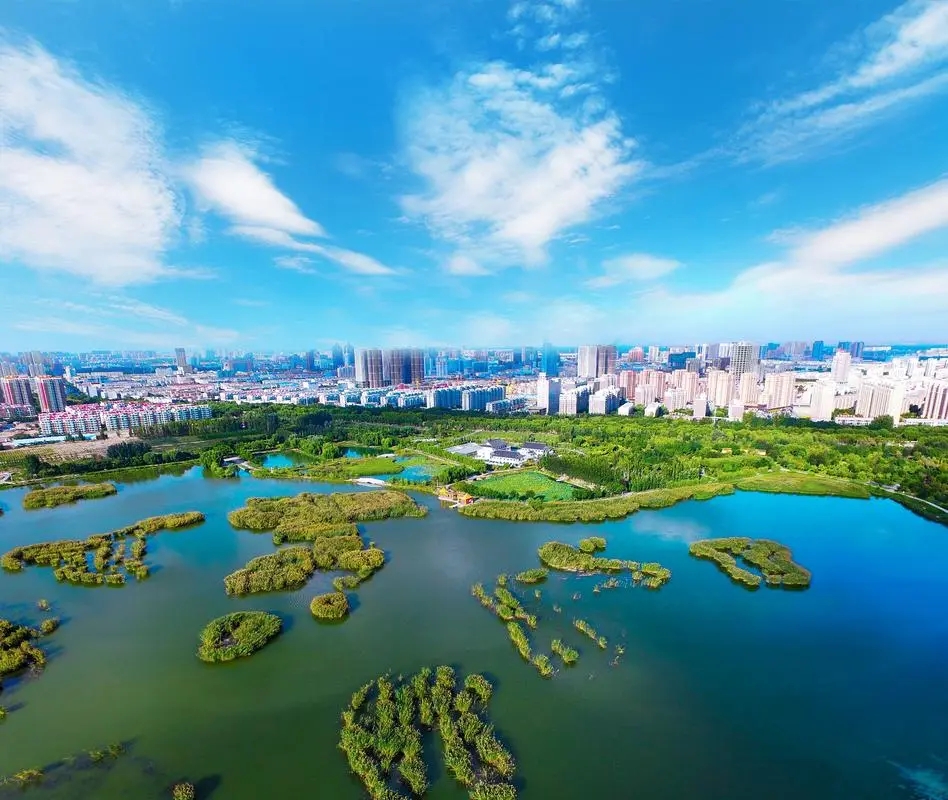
(446, 397)
(369, 369)
(735, 411)
(817, 351)
(506, 405)
(626, 381)
(548, 394)
(748, 392)
(417, 366)
(936, 401)
(91, 418)
(856, 349)
(877, 399)
(626, 410)
(51, 393)
(550, 361)
(701, 407)
(674, 399)
(574, 401)
(779, 389)
(822, 401)
(841, 363)
(477, 399)
(16, 390)
(593, 360)
(720, 387)
(744, 359)
(605, 401)
(180, 359)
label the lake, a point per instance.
(840, 691)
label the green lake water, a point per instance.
(840, 691)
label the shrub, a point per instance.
(183, 791)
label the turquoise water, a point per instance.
(416, 473)
(840, 691)
(283, 460)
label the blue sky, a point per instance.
(280, 175)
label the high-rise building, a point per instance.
(636, 355)
(877, 399)
(627, 378)
(51, 393)
(816, 352)
(338, 357)
(720, 388)
(674, 399)
(477, 399)
(396, 366)
(856, 348)
(779, 389)
(936, 401)
(841, 363)
(574, 401)
(368, 368)
(586, 361)
(348, 355)
(550, 361)
(605, 401)
(744, 358)
(180, 358)
(16, 391)
(417, 366)
(594, 360)
(654, 354)
(310, 361)
(748, 392)
(822, 401)
(548, 394)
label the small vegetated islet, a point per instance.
(329, 523)
(62, 495)
(584, 627)
(237, 635)
(110, 563)
(27, 778)
(383, 726)
(774, 560)
(565, 557)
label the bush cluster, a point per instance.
(237, 635)
(774, 560)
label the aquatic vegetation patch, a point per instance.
(289, 568)
(584, 627)
(63, 769)
(308, 516)
(100, 559)
(774, 560)
(237, 635)
(332, 605)
(17, 651)
(63, 495)
(565, 557)
(385, 722)
(537, 575)
(567, 654)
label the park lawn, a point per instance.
(521, 482)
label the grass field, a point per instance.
(522, 482)
(797, 483)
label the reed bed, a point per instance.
(774, 560)
(237, 635)
(383, 726)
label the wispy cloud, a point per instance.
(509, 158)
(892, 63)
(84, 184)
(464, 265)
(228, 179)
(296, 264)
(632, 267)
(822, 280)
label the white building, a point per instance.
(720, 388)
(779, 389)
(822, 401)
(842, 361)
(749, 393)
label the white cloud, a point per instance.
(508, 164)
(633, 267)
(227, 179)
(296, 264)
(353, 261)
(140, 310)
(892, 63)
(464, 265)
(821, 284)
(83, 185)
(876, 229)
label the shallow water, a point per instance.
(840, 691)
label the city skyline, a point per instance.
(567, 170)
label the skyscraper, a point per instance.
(310, 361)
(817, 351)
(548, 394)
(594, 360)
(368, 368)
(51, 393)
(338, 357)
(856, 348)
(417, 366)
(180, 358)
(744, 358)
(720, 388)
(348, 354)
(550, 361)
(779, 389)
